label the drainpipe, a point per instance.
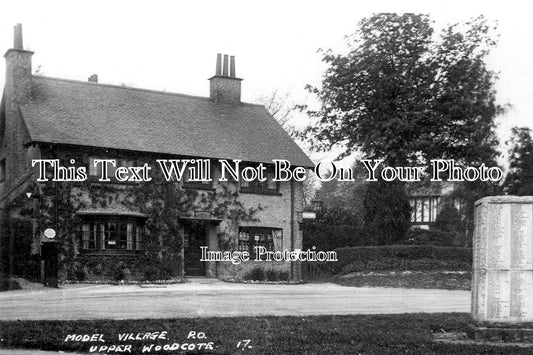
(56, 196)
(292, 226)
(182, 252)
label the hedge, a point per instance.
(402, 257)
(332, 236)
(329, 237)
(434, 237)
(398, 264)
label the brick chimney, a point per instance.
(18, 69)
(93, 78)
(225, 87)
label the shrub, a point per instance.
(8, 284)
(26, 265)
(430, 237)
(449, 219)
(271, 275)
(399, 264)
(329, 237)
(169, 268)
(387, 213)
(393, 256)
(151, 273)
(256, 274)
(337, 215)
(117, 271)
(283, 276)
(80, 274)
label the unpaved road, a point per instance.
(212, 298)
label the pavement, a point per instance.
(213, 298)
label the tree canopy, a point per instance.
(519, 180)
(406, 95)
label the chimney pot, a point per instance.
(225, 88)
(232, 67)
(225, 68)
(93, 78)
(17, 34)
(219, 64)
(18, 69)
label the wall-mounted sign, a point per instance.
(202, 214)
(308, 215)
(49, 233)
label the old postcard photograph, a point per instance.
(266, 177)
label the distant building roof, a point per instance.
(109, 116)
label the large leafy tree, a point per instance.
(387, 213)
(519, 180)
(405, 95)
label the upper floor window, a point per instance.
(95, 171)
(202, 184)
(2, 170)
(269, 186)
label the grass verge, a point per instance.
(407, 279)
(356, 334)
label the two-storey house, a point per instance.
(140, 230)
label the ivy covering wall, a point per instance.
(162, 202)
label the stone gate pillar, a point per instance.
(502, 275)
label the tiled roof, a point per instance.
(97, 115)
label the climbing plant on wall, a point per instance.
(161, 201)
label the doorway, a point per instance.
(195, 236)
(50, 260)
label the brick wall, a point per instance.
(275, 212)
(225, 90)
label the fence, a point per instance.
(315, 270)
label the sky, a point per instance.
(172, 45)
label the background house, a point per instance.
(428, 200)
(141, 230)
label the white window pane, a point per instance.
(418, 211)
(434, 209)
(129, 244)
(85, 233)
(425, 212)
(271, 184)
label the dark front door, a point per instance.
(195, 237)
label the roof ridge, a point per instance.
(134, 88)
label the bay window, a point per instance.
(112, 234)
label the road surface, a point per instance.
(212, 298)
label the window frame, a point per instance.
(96, 230)
(261, 187)
(245, 235)
(120, 162)
(424, 206)
(195, 185)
